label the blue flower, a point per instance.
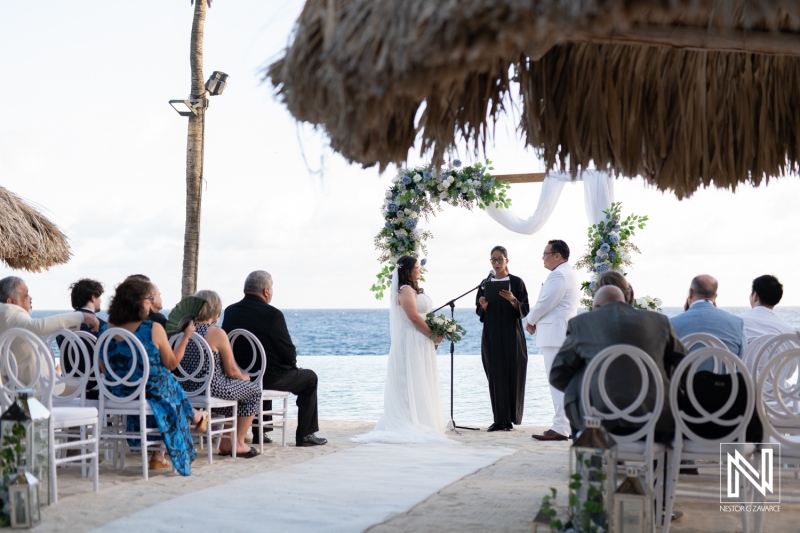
(411, 223)
(612, 255)
(406, 179)
(456, 163)
(598, 259)
(613, 238)
(417, 209)
(423, 261)
(605, 247)
(388, 225)
(392, 207)
(602, 267)
(426, 175)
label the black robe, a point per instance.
(505, 353)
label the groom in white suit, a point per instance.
(557, 303)
(15, 309)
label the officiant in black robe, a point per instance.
(503, 348)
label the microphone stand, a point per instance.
(451, 425)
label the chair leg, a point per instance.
(96, 459)
(673, 470)
(143, 445)
(285, 420)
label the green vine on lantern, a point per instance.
(10, 452)
(592, 517)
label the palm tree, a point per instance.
(194, 154)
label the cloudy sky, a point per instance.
(88, 137)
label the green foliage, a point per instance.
(419, 193)
(591, 518)
(609, 247)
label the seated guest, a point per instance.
(15, 312)
(616, 279)
(129, 309)
(157, 304)
(228, 382)
(256, 315)
(612, 322)
(704, 317)
(85, 296)
(762, 320)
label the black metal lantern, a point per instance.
(25, 430)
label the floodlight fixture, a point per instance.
(188, 107)
(216, 83)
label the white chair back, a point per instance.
(769, 349)
(16, 343)
(704, 339)
(650, 375)
(752, 350)
(71, 384)
(685, 373)
(778, 388)
(108, 377)
(196, 382)
(255, 372)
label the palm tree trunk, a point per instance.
(194, 156)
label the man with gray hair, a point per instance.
(255, 314)
(15, 308)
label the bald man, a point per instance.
(615, 322)
(703, 316)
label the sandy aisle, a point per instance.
(501, 497)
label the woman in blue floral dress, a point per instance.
(171, 408)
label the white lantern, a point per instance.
(33, 418)
(633, 505)
(593, 477)
(23, 500)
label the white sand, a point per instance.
(503, 496)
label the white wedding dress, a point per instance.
(412, 408)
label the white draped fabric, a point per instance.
(598, 190)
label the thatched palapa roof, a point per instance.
(683, 92)
(27, 239)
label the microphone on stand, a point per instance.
(484, 282)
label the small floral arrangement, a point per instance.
(648, 303)
(446, 328)
(609, 247)
(414, 194)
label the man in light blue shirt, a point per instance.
(704, 317)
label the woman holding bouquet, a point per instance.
(503, 348)
(412, 409)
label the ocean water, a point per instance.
(348, 349)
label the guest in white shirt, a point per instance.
(762, 320)
(15, 309)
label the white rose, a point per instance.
(417, 178)
(443, 195)
(413, 215)
(440, 187)
(451, 329)
(658, 302)
(407, 211)
(438, 320)
(395, 179)
(642, 302)
(451, 179)
(388, 194)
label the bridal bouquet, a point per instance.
(648, 303)
(444, 327)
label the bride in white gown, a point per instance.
(412, 409)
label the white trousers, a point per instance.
(560, 421)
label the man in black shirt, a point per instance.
(254, 314)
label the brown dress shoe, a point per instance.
(550, 435)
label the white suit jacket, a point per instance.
(557, 303)
(14, 316)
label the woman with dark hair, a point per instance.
(503, 347)
(412, 409)
(617, 279)
(172, 411)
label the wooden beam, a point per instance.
(535, 177)
(700, 39)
